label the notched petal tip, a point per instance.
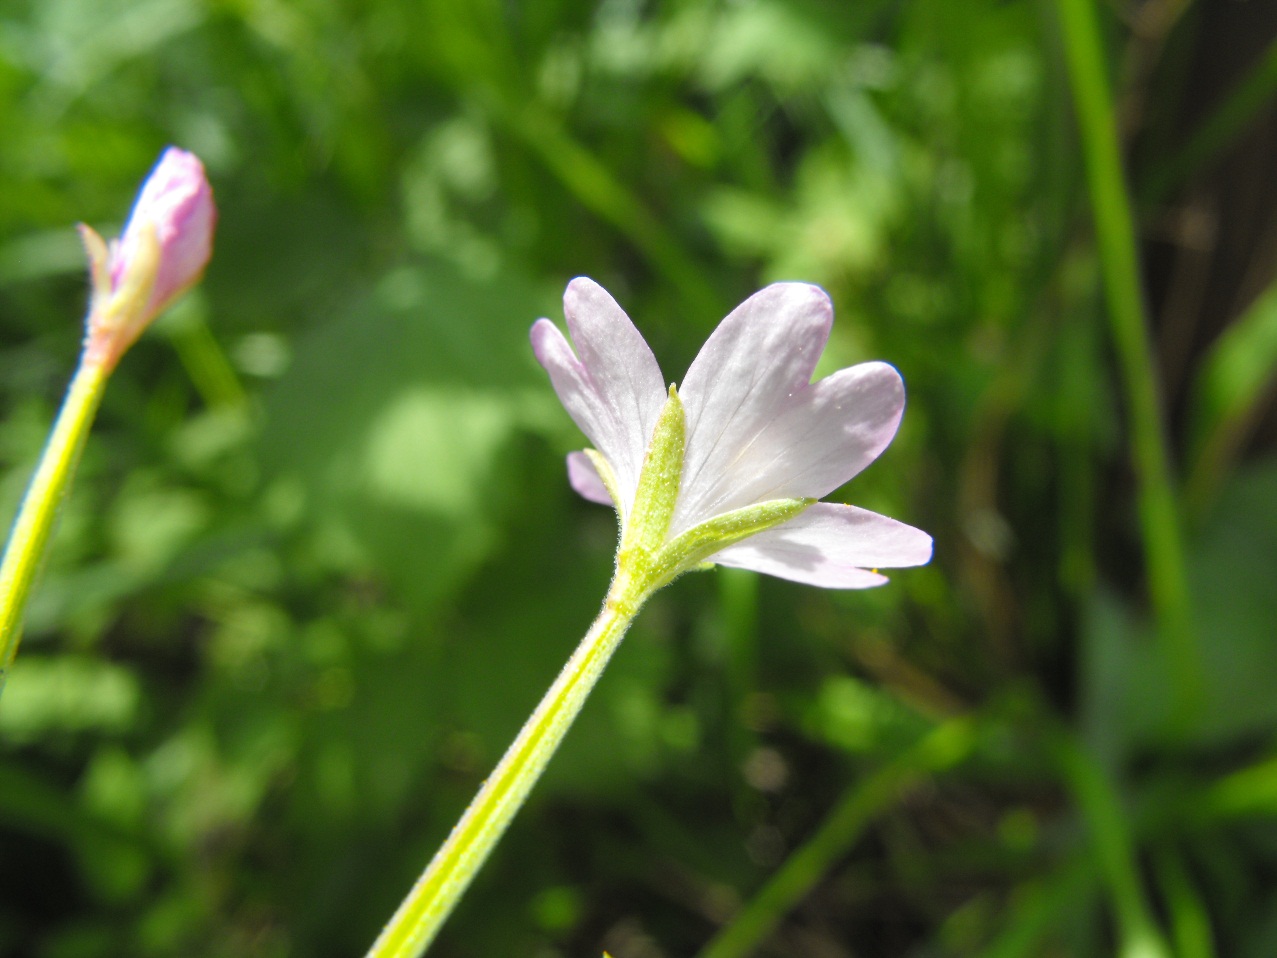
(805, 307)
(884, 391)
(621, 372)
(601, 329)
(883, 376)
(746, 376)
(544, 336)
(557, 357)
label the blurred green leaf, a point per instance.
(322, 557)
(1235, 381)
(1232, 563)
(69, 694)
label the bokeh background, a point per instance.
(321, 557)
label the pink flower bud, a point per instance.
(178, 201)
(165, 247)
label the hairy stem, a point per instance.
(454, 866)
(36, 515)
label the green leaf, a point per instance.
(1236, 378)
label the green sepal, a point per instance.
(645, 560)
(99, 255)
(659, 479)
(698, 543)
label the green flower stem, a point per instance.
(454, 866)
(31, 530)
(645, 560)
(1115, 235)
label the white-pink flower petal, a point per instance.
(757, 430)
(614, 391)
(177, 202)
(820, 437)
(745, 375)
(573, 384)
(833, 546)
(584, 478)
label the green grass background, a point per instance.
(321, 557)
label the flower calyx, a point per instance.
(647, 557)
(165, 246)
(760, 445)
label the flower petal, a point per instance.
(571, 381)
(820, 437)
(745, 375)
(614, 391)
(584, 478)
(178, 202)
(833, 546)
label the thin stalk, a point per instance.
(205, 361)
(454, 866)
(947, 745)
(599, 189)
(1115, 235)
(1114, 849)
(36, 515)
(1039, 907)
(1221, 130)
(738, 599)
(1189, 916)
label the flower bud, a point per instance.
(165, 247)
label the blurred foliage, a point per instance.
(321, 559)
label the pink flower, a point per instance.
(178, 202)
(166, 244)
(757, 429)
